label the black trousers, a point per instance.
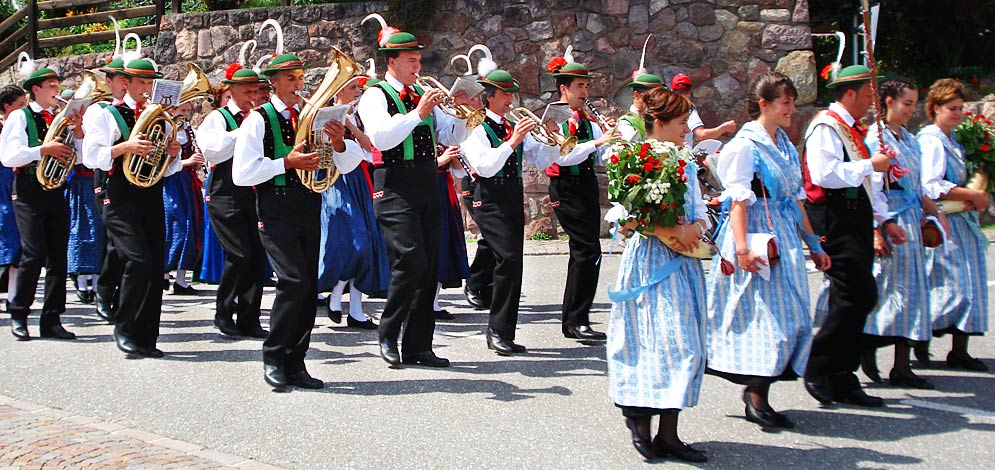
(848, 228)
(43, 221)
(579, 213)
(481, 279)
(135, 220)
(111, 269)
(408, 212)
(232, 211)
(501, 219)
(289, 219)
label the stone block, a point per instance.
(639, 19)
(616, 7)
(564, 23)
(663, 21)
(726, 18)
(518, 34)
(222, 37)
(205, 47)
(710, 33)
(799, 66)
(700, 14)
(800, 14)
(540, 30)
(657, 5)
(687, 31)
(238, 17)
(734, 45)
(787, 38)
(583, 41)
(596, 23)
(749, 12)
(775, 15)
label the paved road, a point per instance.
(548, 409)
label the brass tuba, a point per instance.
(978, 181)
(159, 127)
(339, 73)
(460, 111)
(52, 172)
(543, 135)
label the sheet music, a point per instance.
(77, 105)
(330, 113)
(557, 112)
(166, 92)
(470, 87)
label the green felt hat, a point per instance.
(284, 62)
(572, 69)
(852, 74)
(402, 41)
(141, 68)
(646, 81)
(243, 76)
(40, 75)
(500, 79)
(113, 67)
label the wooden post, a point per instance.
(177, 6)
(33, 29)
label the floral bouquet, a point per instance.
(648, 180)
(977, 135)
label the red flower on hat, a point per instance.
(390, 31)
(108, 59)
(362, 81)
(825, 72)
(232, 68)
(554, 65)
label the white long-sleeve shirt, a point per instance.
(100, 138)
(91, 120)
(488, 160)
(14, 140)
(215, 140)
(934, 166)
(824, 157)
(251, 166)
(735, 170)
(386, 131)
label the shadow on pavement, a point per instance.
(739, 455)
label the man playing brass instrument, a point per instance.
(42, 215)
(133, 216)
(289, 216)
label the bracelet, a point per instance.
(744, 252)
(701, 225)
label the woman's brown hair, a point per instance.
(942, 92)
(663, 104)
(769, 87)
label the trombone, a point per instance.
(460, 111)
(543, 135)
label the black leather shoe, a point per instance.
(426, 358)
(19, 328)
(388, 351)
(921, 350)
(180, 290)
(333, 315)
(583, 332)
(855, 396)
(304, 380)
(103, 309)
(151, 352)
(126, 345)
(226, 326)
(642, 444)
(254, 331)
(966, 362)
(820, 388)
(165, 284)
(53, 329)
(766, 418)
(443, 315)
(475, 299)
(517, 348)
(274, 376)
(684, 452)
(910, 380)
(869, 364)
(82, 297)
(500, 345)
(363, 325)
(91, 296)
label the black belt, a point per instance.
(405, 164)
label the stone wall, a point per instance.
(721, 44)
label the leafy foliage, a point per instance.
(647, 179)
(977, 135)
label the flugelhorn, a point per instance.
(543, 135)
(159, 127)
(52, 172)
(460, 111)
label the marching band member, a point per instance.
(631, 126)
(575, 196)
(403, 123)
(958, 280)
(289, 216)
(12, 98)
(42, 215)
(843, 206)
(497, 150)
(133, 216)
(232, 210)
(112, 267)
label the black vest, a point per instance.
(424, 149)
(513, 164)
(586, 167)
(269, 145)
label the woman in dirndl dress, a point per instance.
(902, 313)
(12, 98)
(87, 238)
(958, 279)
(655, 348)
(454, 266)
(183, 200)
(759, 326)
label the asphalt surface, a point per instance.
(546, 409)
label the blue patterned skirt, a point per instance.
(87, 238)
(182, 203)
(10, 239)
(958, 282)
(453, 263)
(213, 260)
(343, 237)
(656, 342)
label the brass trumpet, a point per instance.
(460, 111)
(543, 135)
(52, 172)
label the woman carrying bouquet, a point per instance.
(902, 314)
(758, 325)
(958, 280)
(655, 337)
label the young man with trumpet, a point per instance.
(497, 150)
(289, 215)
(133, 215)
(403, 122)
(575, 196)
(232, 211)
(42, 215)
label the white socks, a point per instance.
(181, 278)
(335, 297)
(356, 303)
(435, 303)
